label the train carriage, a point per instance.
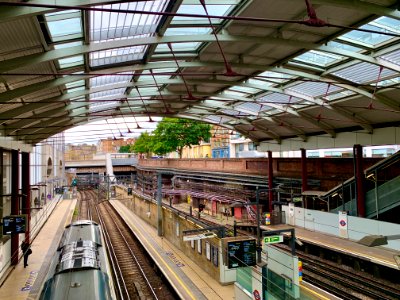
(79, 269)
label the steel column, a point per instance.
(159, 205)
(1, 188)
(359, 175)
(304, 175)
(14, 202)
(270, 181)
(26, 193)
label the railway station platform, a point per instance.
(190, 280)
(25, 283)
(378, 255)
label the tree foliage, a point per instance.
(124, 149)
(143, 144)
(174, 134)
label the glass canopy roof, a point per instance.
(234, 63)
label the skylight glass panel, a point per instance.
(106, 99)
(75, 84)
(318, 58)
(103, 106)
(314, 89)
(234, 112)
(159, 74)
(109, 93)
(113, 25)
(389, 82)
(187, 31)
(67, 45)
(217, 119)
(250, 106)
(115, 56)
(393, 57)
(245, 89)
(75, 89)
(145, 92)
(260, 82)
(274, 76)
(344, 46)
(64, 25)
(110, 79)
(382, 24)
(234, 93)
(198, 9)
(71, 61)
(279, 98)
(191, 46)
(363, 73)
(341, 94)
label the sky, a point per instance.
(111, 128)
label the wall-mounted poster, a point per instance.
(208, 251)
(215, 255)
(177, 228)
(199, 246)
(192, 244)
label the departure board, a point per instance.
(241, 253)
(14, 224)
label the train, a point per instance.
(79, 269)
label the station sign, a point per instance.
(273, 239)
(207, 235)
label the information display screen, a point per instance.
(14, 224)
(241, 253)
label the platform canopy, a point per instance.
(270, 70)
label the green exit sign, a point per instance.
(273, 239)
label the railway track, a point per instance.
(347, 283)
(136, 275)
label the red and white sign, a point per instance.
(256, 295)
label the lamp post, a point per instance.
(259, 247)
(258, 225)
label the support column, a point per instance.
(159, 205)
(304, 175)
(14, 202)
(1, 189)
(359, 175)
(270, 182)
(26, 193)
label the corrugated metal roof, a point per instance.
(19, 38)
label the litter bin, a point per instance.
(129, 191)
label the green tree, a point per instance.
(174, 134)
(124, 149)
(143, 144)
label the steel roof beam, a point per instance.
(15, 63)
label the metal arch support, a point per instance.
(33, 59)
(362, 6)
